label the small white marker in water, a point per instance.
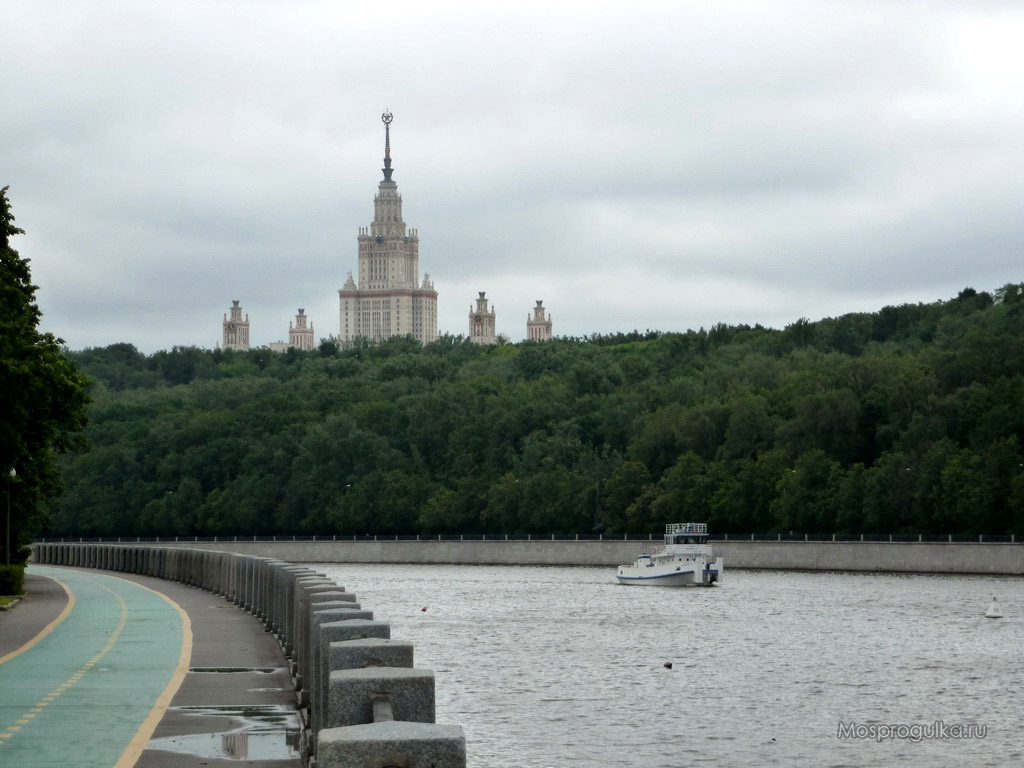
(993, 610)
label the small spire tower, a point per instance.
(538, 327)
(481, 322)
(236, 330)
(300, 335)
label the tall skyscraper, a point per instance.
(538, 327)
(481, 322)
(388, 300)
(236, 330)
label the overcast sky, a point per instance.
(662, 165)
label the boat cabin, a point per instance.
(686, 533)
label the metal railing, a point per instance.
(728, 537)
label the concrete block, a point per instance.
(304, 588)
(350, 702)
(298, 585)
(369, 652)
(320, 598)
(399, 744)
(338, 594)
(245, 593)
(335, 620)
(358, 654)
(291, 575)
(335, 605)
(261, 607)
(277, 570)
(287, 575)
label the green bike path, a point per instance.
(90, 688)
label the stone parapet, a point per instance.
(360, 695)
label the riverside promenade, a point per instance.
(102, 669)
(359, 696)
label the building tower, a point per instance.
(481, 323)
(236, 330)
(538, 328)
(388, 299)
(299, 336)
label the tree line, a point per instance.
(905, 420)
(42, 407)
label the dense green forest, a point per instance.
(909, 419)
(42, 406)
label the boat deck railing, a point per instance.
(686, 528)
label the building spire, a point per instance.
(386, 118)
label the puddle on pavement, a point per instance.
(264, 733)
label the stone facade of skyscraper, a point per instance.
(300, 335)
(482, 322)
(236, 330)
(538, 327)
(388, 299)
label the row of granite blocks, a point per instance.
(362, 700)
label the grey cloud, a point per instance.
(652, 165)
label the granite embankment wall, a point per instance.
(363, 701)
(898, 557)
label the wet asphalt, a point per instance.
(236, 704)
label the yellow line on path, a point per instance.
(145, 732)
(48, 628)
(61, 689)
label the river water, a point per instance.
(562, 666)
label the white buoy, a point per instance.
(993, 611)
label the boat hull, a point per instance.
(671, 576)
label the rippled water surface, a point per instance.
(555, 666)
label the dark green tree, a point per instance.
(908, 420)
(42, 398)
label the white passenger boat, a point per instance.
(685, 560)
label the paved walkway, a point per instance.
(103, 669)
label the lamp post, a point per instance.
(7, 526)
